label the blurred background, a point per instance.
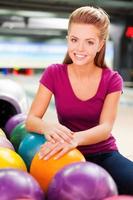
(33, 35)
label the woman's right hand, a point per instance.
(55, 132)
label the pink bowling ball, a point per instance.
(5, 143)
(120, 197)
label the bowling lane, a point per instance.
(123, 126)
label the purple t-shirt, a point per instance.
(76, 114)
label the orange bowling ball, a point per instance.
(44, 170)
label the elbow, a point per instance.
(108, 129)
(106, 136)
(28, 124)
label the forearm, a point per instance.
(35, 124)
(93, 135)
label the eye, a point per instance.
(73, 40)
(90, 42)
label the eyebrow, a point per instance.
(85, 39)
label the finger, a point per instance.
(48, 149)
(53, 152)
(45, 145)
(74, 143)
(64, 136)
(67, 131)
(49, 138)
(65, 150)
(61, 153)
(57, 137)
(45, 149)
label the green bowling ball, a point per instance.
(18, 134)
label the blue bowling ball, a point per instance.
(29, 146)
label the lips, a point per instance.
(79, 56)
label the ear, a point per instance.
(101, 44)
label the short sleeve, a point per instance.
(47, 78)
(115, 83)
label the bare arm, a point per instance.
(91, 136)
(102, 131)
(34, 123)
(38, 108)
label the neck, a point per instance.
(84, 70)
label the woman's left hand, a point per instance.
(59, 148)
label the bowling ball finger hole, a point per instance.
(7, 110)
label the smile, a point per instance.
(79, 56)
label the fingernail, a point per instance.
(45, 158)
(55, 158)
(40, 156)
(62, 141)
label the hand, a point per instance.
(57, 133)
(50, 149)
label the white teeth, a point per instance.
(79, 56)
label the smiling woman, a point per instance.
(84, 45)
(86, 102)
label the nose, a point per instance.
(80, 46)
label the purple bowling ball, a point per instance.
(86, 181)
(13, 122)
(17, 184)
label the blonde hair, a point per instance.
(94, 16)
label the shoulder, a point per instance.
(50, 76)
(54, 68)
(112, 75)
(113, 79)
(110, 72)
(53, 72)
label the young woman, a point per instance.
(87, 95)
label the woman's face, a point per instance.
(83, 43)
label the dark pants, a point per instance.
(119, 167)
